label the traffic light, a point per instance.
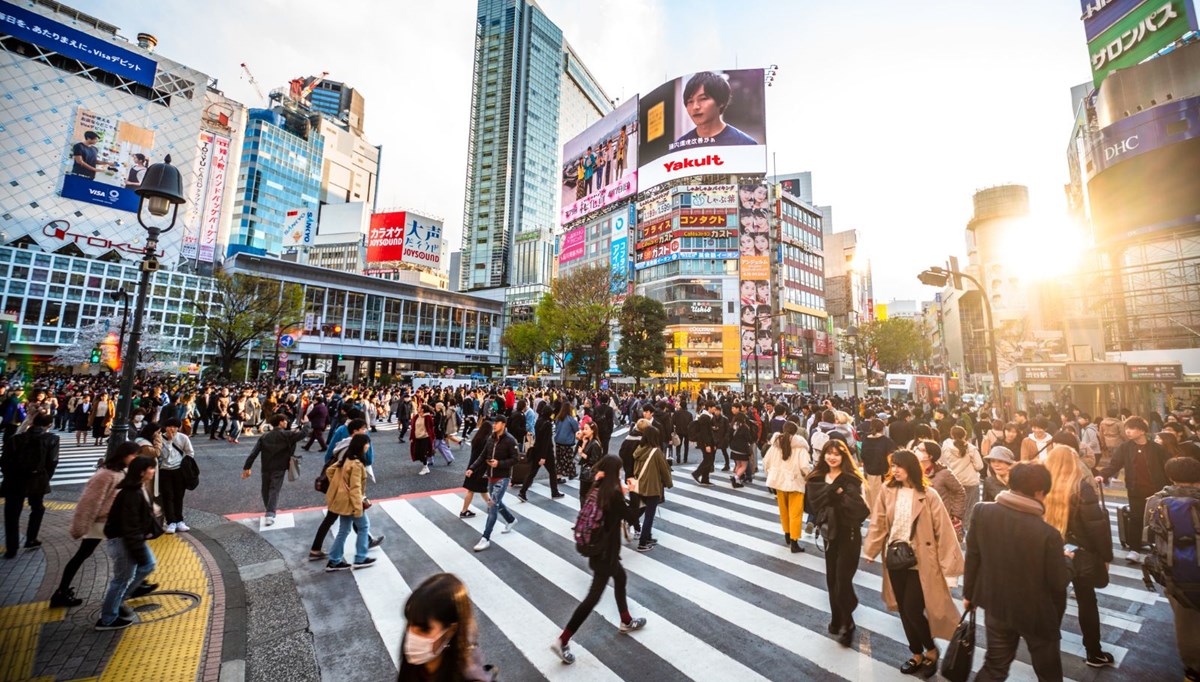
(95, 355)
(331, 329)
(339, 354)
(263, 366)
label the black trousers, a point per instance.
(707, 464)
(217, 426)
(272, 483)
(600, 581)
(841, 563)
(86, 547)
(13, 504)
(551, 470)
(1137, 512)
(681, 450)
(171, 490)
(911, 599)
(1002, 643)
(1089, 616)
(725, 454)
(317, 435)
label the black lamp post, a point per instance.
(852, 335)
(122, 296)
(938, 277)
(161, 194)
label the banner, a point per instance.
(1142, 32)
(105, 161)
(34, 28)
(385, 237)
(618, 262)
(299, 227)
(754, 268)
(210, 223)
(711, 196)
(702, 124)
(406, 237)
(572, 245)
(196, 190)
(600, 164)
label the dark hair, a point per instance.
(959, 435)
(610, 485)
(1041, 423)
(173, 423)
(1012, 426)
(443, 597)
(564, 411)
(827, 416)
(1137, 423)
(355, 413)
(714, 86)
(355, 424)
(1067, 438)
(1170, 443)
(877, 426)
(1182, 470)
(790, 428)
(922, 432)
(115, 459)
(907, 460)
(482, 433)
(133, 475)
(42, 419)
(277, 419)
(357, 449)
(997, 425)
(1029, 478)
(148, 431)
(91, 135)
(822, 467)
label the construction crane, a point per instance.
(250, 77)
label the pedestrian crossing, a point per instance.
(724, 598)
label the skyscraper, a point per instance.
(529, 88)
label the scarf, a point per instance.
(1018, 502)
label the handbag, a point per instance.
(899, 556)
(321, 483)
(675, 441)
(960, 653)
(293, 468)
(633, 483)
(191, 472)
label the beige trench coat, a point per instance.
(936, 547)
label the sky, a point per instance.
(901, 110)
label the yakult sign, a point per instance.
(405, 237)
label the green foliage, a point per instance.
(893, 345)
(246, 308)
(643, 322)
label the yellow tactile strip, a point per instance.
(166, 649)
(19, 631)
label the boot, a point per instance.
(796, 548)
(64, 598)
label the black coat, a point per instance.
(503, 450)
(276, 447)
(704, 426)
(875, 452)
(132, 521)
(1126, 456)
(1016, 570)
(1088, 525)
(682, 420)
(30, 465)
(615, 511)
(847, 508)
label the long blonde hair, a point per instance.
(1065, 476)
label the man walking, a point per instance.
(28, 464)
(277, 447)
(1017, 572)
(1143, 461)
(497, 458)
(706, 443)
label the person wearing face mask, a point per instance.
(440, 641)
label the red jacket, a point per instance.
(412, 443)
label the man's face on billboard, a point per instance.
(703, 109)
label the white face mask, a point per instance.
(420, 649)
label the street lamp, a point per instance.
(161, 194)
(122, 296)
(852, 335)
(938, 277)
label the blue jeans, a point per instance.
(648, 522)
(127, 575)
(361, 527)
(496, 491)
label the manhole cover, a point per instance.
(158, 606)
(147, 608)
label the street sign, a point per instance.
(287, 341)
(604, 384)
(283, 356)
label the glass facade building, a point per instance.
(521, 81)
(280, 171)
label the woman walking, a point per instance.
(652, 475)
(87, 524)
(1074, 508)
(129, 524)
(80, 417)
(1001, 460)
(566, 428)
(741, 443)
(606, 563)
(423, 431)
(440, 640)
(476, 480)
(910, 514)
(962, 459)
(787, 463)
(835, 496)
(589, 455)
(347, 490)
(941, 479)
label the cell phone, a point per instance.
(1070, 548)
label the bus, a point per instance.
(312, 377)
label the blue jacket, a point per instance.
(342, 433)
(565, 430)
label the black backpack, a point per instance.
(694, 432)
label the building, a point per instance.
(806, 344)
(901, 309)
(339, 102)
(529, 88)
(140, 106)
(349, 165)
(281, 170)
(849, 298)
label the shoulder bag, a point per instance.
(960, 654)
(633, 484)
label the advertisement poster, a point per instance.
(214, 197)
(195, 190)
(105, 161)
(703, 123)
(299, 227)
(572, 245)
(600, 164)
(622, 284)
(406, 237)
(1145, 30)
(754, 267)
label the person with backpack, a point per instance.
(787, 465)
(28, 464)
(682, 422)
(834, 490)
(598, 537)
(129, 525)
(1143, 460)
(1169, 527)
(652, 475)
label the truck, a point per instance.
(921, 388)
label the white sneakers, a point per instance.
(1133, 557)
(483, 544)
(269, 521)
(424, 470)
(182, 527)
(509, 526)
(170, 529)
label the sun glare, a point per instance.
(1039, 250)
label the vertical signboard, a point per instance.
(385, 237)
(572, 245)
(196, 190)
(210, 223)
(618, 261)
(754, 266)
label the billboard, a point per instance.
(600, 164)
(703, 123)
(572, 245)
(754, 267)
(34, 28)
(205, 194)
(195, 190)
(618, 262)
(214, 196)
(406, 237)
(1143, 31)
(299, 227)
(105, 160)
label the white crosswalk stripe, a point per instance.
(720, 566)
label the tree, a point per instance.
(643, 322)
(525, 342)
(245, 308)
(892, 345)
(104, 334)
